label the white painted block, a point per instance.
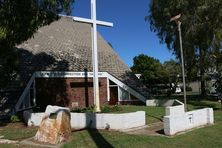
(53, 109)
(174, 110)
(98, 121)
(151, 102)
(33, 119)
(134, 120)
(159, 102)
(175, 123)
(210, 116)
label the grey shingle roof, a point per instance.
(66, 45)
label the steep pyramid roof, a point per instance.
(65, 45)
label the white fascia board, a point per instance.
(66, 74)
(130, 100)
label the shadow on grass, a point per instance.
(199, 105)
(181, 97)
(161, 132)
(196, 100)
(97, 137)
(100, 141)
(160, 119)
(4, 123)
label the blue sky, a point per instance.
(130, 35)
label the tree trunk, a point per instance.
(202, 82)
(202, 71)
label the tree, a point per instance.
(201, 24)
(151, 70)
(173, 70)
(19, 20)
(217, 56)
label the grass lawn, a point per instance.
(153, 114)
(210, 136)
(205, 137)
(16, 132)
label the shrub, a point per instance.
(107, 109)
(15, 118)
(90, 109)
(104, 109)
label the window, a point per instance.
(123, 95)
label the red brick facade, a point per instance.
(70, 92)
(76, 93)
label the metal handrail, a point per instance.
(24, 94)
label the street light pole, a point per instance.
(182, 62)
(175, 18)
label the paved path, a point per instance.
(155, 129)
(32, 142)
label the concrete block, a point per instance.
(174, 110)
(98, 121)
(178, 122)
(159, 102)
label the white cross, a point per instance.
(94, 23)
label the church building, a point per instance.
(56, 68)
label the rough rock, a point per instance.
(55, 127)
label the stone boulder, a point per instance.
(55, 127)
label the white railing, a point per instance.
(27, 99)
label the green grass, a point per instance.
(8, 146)
(205, 137)
(153, 114)
(13, 133)
(189, 96)
(202, 104)
(210, 136)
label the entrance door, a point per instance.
(113, 95)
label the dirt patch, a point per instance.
(7, 123)
(16, 125)
(33, 143)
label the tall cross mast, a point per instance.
(94, 22)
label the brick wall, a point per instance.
(70, 92)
